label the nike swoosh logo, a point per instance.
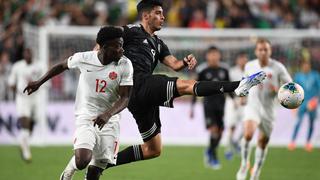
(89, 71)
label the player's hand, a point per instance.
(191, 61)
(101, 120)
(32, 87)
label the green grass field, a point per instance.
(175, 163)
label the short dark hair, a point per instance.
(212, 48)
(108, 33)
(148, 5)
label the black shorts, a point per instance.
(214, 117)
(147, 95)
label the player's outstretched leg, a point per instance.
(208, 88)
(248, 82)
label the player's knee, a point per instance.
(248, 136)
(155, 153)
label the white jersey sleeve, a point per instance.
(283, 74)
(127, 73)
(74, 61)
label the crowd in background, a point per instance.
(261, 14)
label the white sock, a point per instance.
(23, 138)
(245, 152)
(229, 147)
(72, 164)
(70, 169)
(260, 156)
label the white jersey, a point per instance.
(277, 74)
(236, 73)
(98, 87)
(23, 73)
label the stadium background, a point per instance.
(55, 29)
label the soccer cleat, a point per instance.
(242, 172)
(215, 164)
(228, 155)
(67, 175)
(308, 147)
(291, 146)
(25, 154)
(207, 157)
(248, 82)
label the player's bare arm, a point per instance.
(122, 103)
(55, 70)
(189, 61)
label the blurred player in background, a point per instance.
(234, 108)
(103, 91)
(213, 105)
(145, 50)
(310, 82)
(259, 110)
(29, 108)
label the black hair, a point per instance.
(148, 5)
(108, 33)
(212, 48)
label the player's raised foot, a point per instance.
(67, 175)
(291, 146)
(248, 82)
(242, 172)
(308, 147)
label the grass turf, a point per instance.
(175, 163)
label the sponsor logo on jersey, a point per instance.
(113, 75)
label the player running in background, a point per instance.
(259, 110)
(310, 82)
(28, 107)
(103, 91)
(145, 50)
(213, 105)
(234, 108)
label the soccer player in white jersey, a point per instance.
(259, 110)
(104, 87)
(28, 107)
(234, 107)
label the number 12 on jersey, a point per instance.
(101, 86)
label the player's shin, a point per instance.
(260, 156)
(128, 155)
(70, 169)
(23, 139)
(207, 88)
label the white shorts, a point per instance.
(104, 144)
(232, 115)
(263, 115)
(30, 106)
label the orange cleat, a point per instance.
(291, 146)
(308, 147)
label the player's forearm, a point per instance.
(55, 70)
(120, 105)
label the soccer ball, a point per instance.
(291, 95)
